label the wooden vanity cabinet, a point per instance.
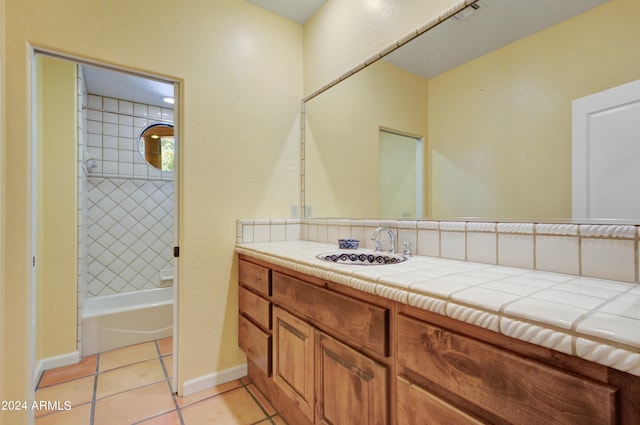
(326, 348)
(327, 354)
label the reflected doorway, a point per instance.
(401, 173)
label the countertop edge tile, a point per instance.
(427, 303)
(481, 318)
(535, 334)
(617, 358)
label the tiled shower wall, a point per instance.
(129, 203)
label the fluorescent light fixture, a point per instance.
(169, 100)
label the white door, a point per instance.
(606, 154)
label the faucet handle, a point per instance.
(406, 248)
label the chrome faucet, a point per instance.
(378, 242)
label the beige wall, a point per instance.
(342, 134)
(56, 266)
(500, 126)
(344, 34)
(241, 74)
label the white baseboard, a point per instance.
(211, 380)
(55, 361)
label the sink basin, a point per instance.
(365, 258)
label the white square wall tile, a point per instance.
(261, 233)
(608, 259)
(293, 231)
(452, 245)
(247, 233)
(110, 104)
(515, 250)
(482, 247)
(428, 243)
(558, 254)
(110, 129)
(125, 107)
(278, 232)
(410, 236)
(333, 233)
(94, 101)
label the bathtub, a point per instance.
(114, 321)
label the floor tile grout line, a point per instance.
(95, 390)
(264, 410)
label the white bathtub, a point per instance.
(114, 321)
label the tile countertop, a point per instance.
(595, 319)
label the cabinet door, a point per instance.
(352, 388)
(293, 359)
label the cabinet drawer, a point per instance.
(506, 385)
(365, 325)
(255, 307)
(418, 406)
(256, 277)
(255, 343)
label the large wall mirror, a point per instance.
(489, 94)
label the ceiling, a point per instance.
(473, 33)
(296, 10)
(121, 85)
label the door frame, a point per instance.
(33, 111)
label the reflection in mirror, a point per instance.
(400, 175)
(497, 128)
(156, 145)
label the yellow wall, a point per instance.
(3, 364)
(500, 126)
(241, 74)
(56, 299)
(342, 133)
(344, 34)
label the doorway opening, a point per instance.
(104, 218)
(401, 174)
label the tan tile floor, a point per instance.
(130, 385)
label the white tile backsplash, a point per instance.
(592, 251)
